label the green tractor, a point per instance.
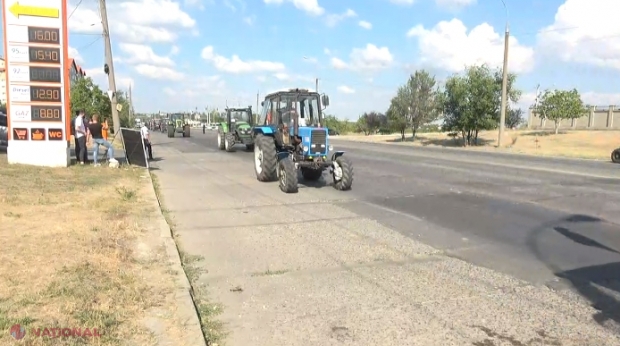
(177, 123)
(236, 129)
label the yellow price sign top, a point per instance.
(34, 11)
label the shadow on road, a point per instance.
(599, 284)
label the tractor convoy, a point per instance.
(287, 138)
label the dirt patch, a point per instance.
(577, 144)
(78, 252)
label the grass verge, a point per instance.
(76, 254)
(576, 143)
(212, 329)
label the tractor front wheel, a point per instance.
(220, 141)
(342, 172)
(311, 174)
(265, 161)
(229, 142)
(170, 131)
(287, 175)
(186, 131)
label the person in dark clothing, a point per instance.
(75, 139)
(81, 134)
(95, 129)
(204, 127)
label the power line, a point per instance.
(76, 7)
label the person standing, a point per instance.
(81, 133)
(204, 127)
(75, 139)
(105, 128)
(95, 130)
(146, 140)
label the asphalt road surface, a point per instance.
(541, 235)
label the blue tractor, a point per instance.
(289, 138)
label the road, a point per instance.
(433, 247)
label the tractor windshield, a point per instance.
(240, 116)
(307, 107)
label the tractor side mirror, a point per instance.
(325, 100)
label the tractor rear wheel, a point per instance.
(220, 140)
(229, 142)
(287, 175)
(311, 174)
(615, 156)
(342, 174)
(265, 161)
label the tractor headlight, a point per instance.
(306, 149)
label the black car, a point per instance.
(3, 130)
(332, 132)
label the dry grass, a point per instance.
(76, 252)
(578, 144)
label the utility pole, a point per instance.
(109, 67)
(504, 103)
(257, 109)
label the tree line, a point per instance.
(464, 104)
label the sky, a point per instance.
(187, 54)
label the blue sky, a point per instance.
(179, 55)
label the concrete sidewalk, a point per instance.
(302, 270)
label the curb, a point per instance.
(185, 292)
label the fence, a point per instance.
(597, 118)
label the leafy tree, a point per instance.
(557, 105)
(86, 95)
(397, 113)
(420, 99)
(472, 101)
(514, 118)
(370, 122)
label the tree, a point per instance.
(514, 118)
(370, 122)
(419, 99)
(397, 114)
(472, 101)
(557, 105)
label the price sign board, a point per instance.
(38, 85)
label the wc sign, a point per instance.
(54, 134)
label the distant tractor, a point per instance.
(236, 129)
(290, 138)
(177, 123)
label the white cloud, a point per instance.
(74, 54)
(135, 21)
(364, 24)
(333, 19)
(174, 50)
(158, 72)
(455, 4)
(450, 47)
(346, 90)
(236, 65)
(600, 99)
(101, 79)
(142, 54)
(581, 34)
(309, 6)
(282, 76)
(327, 51)
(369, 58)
